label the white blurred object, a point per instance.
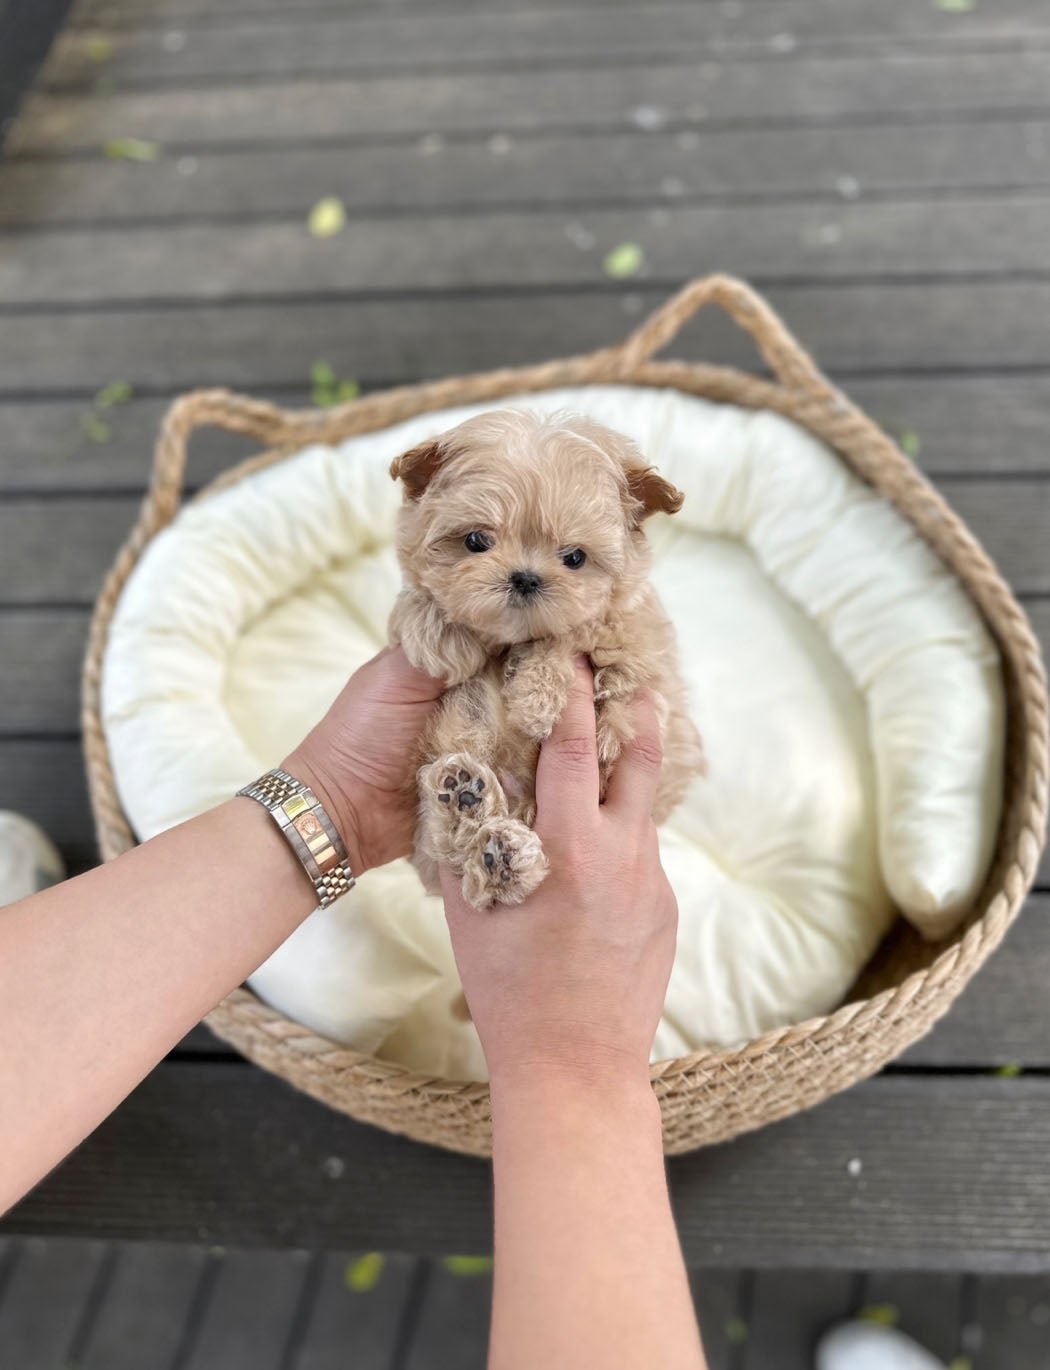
(29, 860)
(872, 1346)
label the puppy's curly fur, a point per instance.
(522, 546)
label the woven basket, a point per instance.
(710, 1095)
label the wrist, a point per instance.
(609, 1082)
(343, 807)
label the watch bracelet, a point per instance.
(308, 830)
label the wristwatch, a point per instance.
(309, 831)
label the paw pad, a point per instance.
(462, 787)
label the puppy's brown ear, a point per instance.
(417, 466)
(652, 492)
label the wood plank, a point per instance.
(1012, 1323)
(41, 653)
(249, 1314)
(1026, 13)
(237, 45)
(898, 327)
(44, 779)
(273, 261)
(926, 1307)
(505, 173)
(45, 1300)
(146, 1304)
(971, 426)
(1011, 517)
(365, 1321)
(1002, 1017)
(812, 89)
(790, 1311)
(718, 1296)
(453, 1321)
(954, 1178)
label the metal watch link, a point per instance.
(309, 831)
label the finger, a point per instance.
(631, 789)
(401, 681)
(567, 770)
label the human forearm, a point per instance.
(589, 1273)
(100, 976)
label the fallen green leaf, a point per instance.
(116, 392)
(132, 149)
(736, 1331)
(886, 1314)
(1010, 1071)
(911, 443)
(365, 1272)
(956, 6)
(961, 1363)
(623, 261)
(327, 218)
(95, 429)
(98, 49)
(326, 389)
(468, 1265)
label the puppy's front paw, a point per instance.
(533, 714)
(505, 866)
(457, 794)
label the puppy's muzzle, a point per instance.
(524, 584)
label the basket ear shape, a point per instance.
(417, 467)
(651, 493)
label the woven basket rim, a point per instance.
(799, 392)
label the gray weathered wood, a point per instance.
(1011, 517)
(973, 425)
(453, 39)
(225, 1153)
(276, 260)
(1012, 1324)
(926, 1307)
(44, 1301)
(1001, 1017)
(359, 1327)
(718, 1298)
(896, 327)
(145, 1304)
(819, 89)
(790, 1310)
(565, 170)
(452, 1326)
(249, 1313)
(44, 779)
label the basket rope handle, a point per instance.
(785, 356)
(273, 427)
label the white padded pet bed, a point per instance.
(847, 690)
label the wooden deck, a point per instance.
(882, 172)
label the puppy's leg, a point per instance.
(457, 795)
(536, 685)
(465, 823)
(505, 866)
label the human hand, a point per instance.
(573, 980)
(361, 759)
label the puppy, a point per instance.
(521, 543)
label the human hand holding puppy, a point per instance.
(572, 983)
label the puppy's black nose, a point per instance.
(525, 583)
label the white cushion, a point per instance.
(847, 690)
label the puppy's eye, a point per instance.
(574, 559)
(477, 541)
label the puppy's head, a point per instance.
(522, 527)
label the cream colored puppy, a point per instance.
(522, 546)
